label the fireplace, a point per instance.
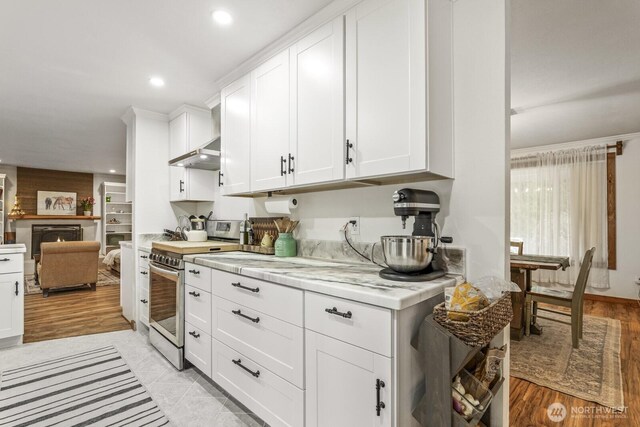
(53, 233)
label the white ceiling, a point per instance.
(70, 68)
(575, 67)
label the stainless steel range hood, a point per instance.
(201, 158)
(206, 157)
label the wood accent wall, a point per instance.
(30, 181)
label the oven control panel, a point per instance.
(167, 259)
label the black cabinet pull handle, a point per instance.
(379, 404)
(194, 271)
(220, 175)
(194, 334)
(239, 313)
(194, 293)
(144, 273)
(5, 259)
(239, 363)
(348, 159)
(17, 287)
(290, 162)
(144, 256)
(335, 311)
(283, 164)
(144, 301)
(181, 186)
(238, 285)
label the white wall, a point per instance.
(151, 211)
(628, 226)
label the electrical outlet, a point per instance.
(354, 225)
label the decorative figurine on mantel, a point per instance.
(16, 211)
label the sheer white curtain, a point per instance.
(559, 207)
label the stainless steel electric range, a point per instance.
(166, 291)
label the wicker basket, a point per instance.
(482, 325)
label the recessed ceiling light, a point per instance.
(180, 164)
(203, 156)
(156, 81)
(112, 170)
(222, 17)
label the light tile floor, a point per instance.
(186, 397)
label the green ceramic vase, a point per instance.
(286, 245)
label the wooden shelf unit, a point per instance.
(116, 192)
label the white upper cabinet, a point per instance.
(317, 106)
(178, 184)
(399, 88)
(270, 123)
(189, 128)
(367, 95)
(235, 116)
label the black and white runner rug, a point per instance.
(94, 387)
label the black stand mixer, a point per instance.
(409, 257)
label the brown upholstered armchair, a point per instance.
(64, 264)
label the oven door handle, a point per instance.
(154, 267)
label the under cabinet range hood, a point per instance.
(200, 158)
(208, 156)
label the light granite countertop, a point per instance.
(15, 248)
(350, 280)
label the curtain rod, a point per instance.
(617, 146)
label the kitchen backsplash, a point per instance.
(450, 258)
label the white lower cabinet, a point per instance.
(273, 399)
(275, 344)
(197, 308)
(197, 348)
(342, 384)
(300, 358)
(11, 304)
(11, 294)
(143, 277)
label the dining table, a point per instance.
(521, 268)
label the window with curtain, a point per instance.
(559, 207)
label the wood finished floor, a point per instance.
(70, 313)
(528, 402)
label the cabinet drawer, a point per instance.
(275, 344)
(11, 263)
(197, 348)
(143, 259)
(367, 326)
(143, 277)
(197, 276)
(278, 301)
(197, 308)
(273, 399)
(143, 306)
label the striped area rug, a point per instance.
(94, 387)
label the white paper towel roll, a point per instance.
(281, 205)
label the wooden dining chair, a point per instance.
(516, 247)
(559, 297)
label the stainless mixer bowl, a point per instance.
(408, 254)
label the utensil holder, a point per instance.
(286, 245)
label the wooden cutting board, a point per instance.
(195, 247)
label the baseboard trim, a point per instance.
(605, 298)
